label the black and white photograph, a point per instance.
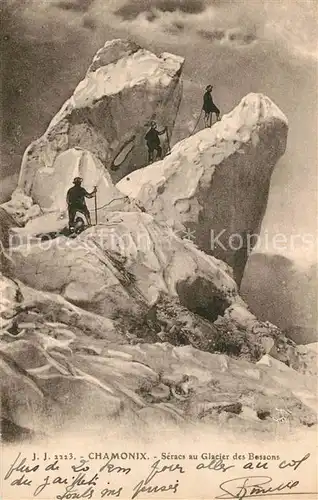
(158, 249)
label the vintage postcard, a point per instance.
(158, 237)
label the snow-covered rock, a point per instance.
(214, 185)
(6, 223)
(21, 207)
(305, 359)
(62, 366)
(53, 184)
(10, 297)
(155, 285)
(108, 114)
(54, 377)
(53, 218)
(110, 266)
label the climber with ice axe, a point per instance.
(209, 107)
(76, 202)
(153, 141)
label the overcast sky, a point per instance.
(240, 46)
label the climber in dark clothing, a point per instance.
(76, 201)
(153, 142)
(209, 107)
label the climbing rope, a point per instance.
(126, 198)
(197, 123)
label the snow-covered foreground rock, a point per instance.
(58, 374)
(108, 114)
(140, 274)
(153, 253)
(215, 183)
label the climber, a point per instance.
(76, 201)
(153, 141)
(209, 107)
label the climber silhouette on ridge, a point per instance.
(153, 141)
(209, 107)
(76, 201)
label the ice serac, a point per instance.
(54, 354)
(139, 274)
(214, 185)
(53, 218)
(108, 114)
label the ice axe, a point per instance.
(95, 201)
(168, 141)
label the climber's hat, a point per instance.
(209, 87)
(77, 180)
(153, 123)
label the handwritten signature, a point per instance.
(251, 486)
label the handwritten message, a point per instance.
(137, 475)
